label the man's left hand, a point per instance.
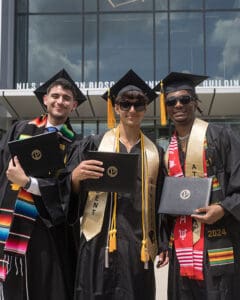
(209, 214)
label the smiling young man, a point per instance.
(204, 258)
(119, 243)
(37, 253)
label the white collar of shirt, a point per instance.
(57, 126)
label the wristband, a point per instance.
(28, 184)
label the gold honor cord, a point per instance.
(144, 171)
(113, 227)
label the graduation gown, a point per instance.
(126, 278)
(47, 270)
(222, 154)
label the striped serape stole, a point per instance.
(16, 228)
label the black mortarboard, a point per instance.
(42, 90)
(130, 82)
(176, 81)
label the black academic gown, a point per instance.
(125, 279)
(48, 269)
(223, 160)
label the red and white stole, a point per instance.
(188, 235)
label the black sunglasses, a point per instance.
(126, 105)
(184, 99)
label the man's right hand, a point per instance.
(87, 169)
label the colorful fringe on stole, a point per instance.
(16, 228)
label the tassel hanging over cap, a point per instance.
(163, 118)
(111, 121)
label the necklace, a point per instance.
(183, 138)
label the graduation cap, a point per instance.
(43, 89)
(176, 81)
(129, 82)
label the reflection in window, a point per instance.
(90, 5)
(223, 44)
(185, 4)
(127, 5)
(126, 39)
(90, 46)
(161, 4)
(54, 43)
(45, 6)
(186, 35)
(215, 4)
(161, 46)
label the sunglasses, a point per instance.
(184, 99)
(126, 106)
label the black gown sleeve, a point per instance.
(164, 223)
(5, 155)
(228, 169)
(76, 203)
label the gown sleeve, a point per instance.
(228, 165)
(163, 221)
(5, 155)
(76, 202)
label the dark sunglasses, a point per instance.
(126, 105)
(184, 99)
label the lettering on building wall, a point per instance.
(108, 84)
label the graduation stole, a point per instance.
(96, 201)
(18, 215)
(189, 234)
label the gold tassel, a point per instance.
(113, 228)
(163, 118)
(112, 240)
(144, 252)
(111, 121)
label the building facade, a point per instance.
(97, 41)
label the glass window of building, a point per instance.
(125, 5)
(90, 48)
(47, 6)
(162, 47)
(186, 36)
(90, 5)
(223, 44)
(54, 43)
(125, 42)
(161, 4)
(185, 4)
(215, 4)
